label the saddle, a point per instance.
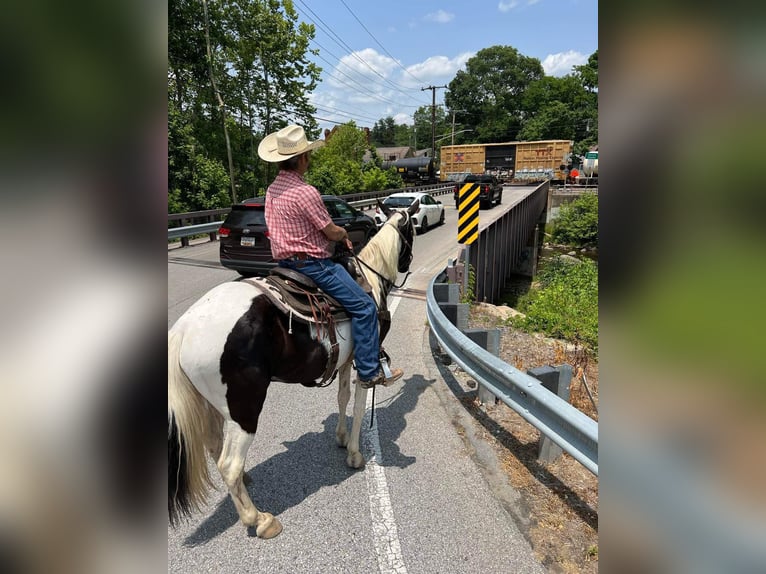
(297, 295)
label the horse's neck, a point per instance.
(382, 255)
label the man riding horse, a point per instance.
(300, 231)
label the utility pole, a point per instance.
(433, 116)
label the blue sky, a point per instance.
(376, 56)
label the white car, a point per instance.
(431, 211)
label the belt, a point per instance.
(300, 257)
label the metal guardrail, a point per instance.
(359, 200)
(572, 430)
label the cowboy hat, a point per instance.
(286, 143)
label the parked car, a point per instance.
(431, 210)
(490, 189)
(244, 238)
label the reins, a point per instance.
(387, 284)
(384, 279)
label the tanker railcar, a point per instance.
(414, 170)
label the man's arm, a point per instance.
(336, 233)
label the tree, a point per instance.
(263, 76)
(588, 73)
(490, 89)
(337, 167)
(422, 125)
(383, 132)
(555, 108)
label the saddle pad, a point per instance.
(284, 301)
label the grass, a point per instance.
(563, 303)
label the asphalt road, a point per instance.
(427, 500)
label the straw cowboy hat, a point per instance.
(286, 143)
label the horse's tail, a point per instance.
(193, 426)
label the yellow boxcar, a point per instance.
(541, 160)
(517, 161)
(461, 159)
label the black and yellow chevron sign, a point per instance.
(468, 213)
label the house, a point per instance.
(394, 153)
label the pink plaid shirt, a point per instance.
(295, 216)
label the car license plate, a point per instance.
(247, 242)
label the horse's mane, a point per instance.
(382, 251)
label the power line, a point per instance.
(344, 113)
(362, 89)
(379, 44)
(352, 52)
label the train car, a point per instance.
(414, 170)
(510, 161)
(461, 159)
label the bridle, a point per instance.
(405, 256)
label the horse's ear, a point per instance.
(413, 209)
(384, 208)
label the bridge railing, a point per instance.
(569, 428)
(213, 222)
(501, 246)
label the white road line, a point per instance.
(384, 531)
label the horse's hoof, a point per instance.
(342, 440)
(269, 526)
(355, 460)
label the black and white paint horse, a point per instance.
(223, 354)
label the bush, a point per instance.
(577, 223)
(565, 305)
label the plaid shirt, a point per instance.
(295, 216)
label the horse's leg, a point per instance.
(355, 459)
(214, 443)
(231, 465)
(344, 394)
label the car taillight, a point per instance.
(266, 234)
(223, 231)
(486, 189)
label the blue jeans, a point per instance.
(334, 280)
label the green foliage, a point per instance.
(337, 168)
(468, 295)
(565, 305)
(577, 223)
(383, 133)
(490, 90)
(507, 96)
(374, 179)
(259, 61)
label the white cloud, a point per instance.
(507, 6)
(357, 98)
(354, 65)
(561, 64)
(440, 16)
(402, 118)
(435, 68)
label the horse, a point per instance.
(224, 352)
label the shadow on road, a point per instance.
(313, 462)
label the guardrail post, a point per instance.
(448, 293)
(489, 340)
(213, 234)
(557, 381)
